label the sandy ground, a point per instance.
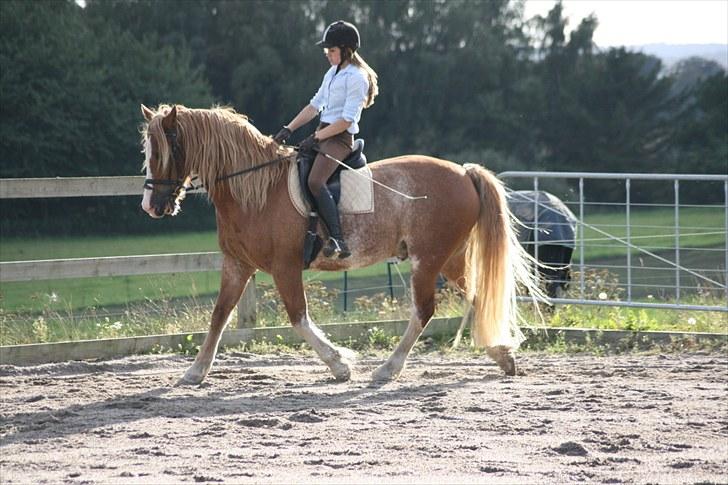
(456, 419)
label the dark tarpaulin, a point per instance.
(556, 223)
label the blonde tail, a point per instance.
(495, 263)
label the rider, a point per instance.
(349, 86)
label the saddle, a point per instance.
(356, 160)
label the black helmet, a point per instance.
(340, 34)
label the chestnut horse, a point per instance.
(462, 229)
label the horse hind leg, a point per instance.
(339, 360)
(234, 279)
(423, 299)
(454, 272)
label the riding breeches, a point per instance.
(338, 146)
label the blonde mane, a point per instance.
(218, 142)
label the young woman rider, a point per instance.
(348, 87)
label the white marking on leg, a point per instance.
(199, 369)
(316, 339)
(395, 364)
(339, 360)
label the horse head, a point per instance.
(166, 183)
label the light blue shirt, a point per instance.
(342, 96)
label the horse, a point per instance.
(462, 228)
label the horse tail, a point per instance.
(495, 263)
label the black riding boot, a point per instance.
(330, 214)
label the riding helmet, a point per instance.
(340, 34)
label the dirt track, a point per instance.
(281, 419)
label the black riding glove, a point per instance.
(282, 135)
(308, 144)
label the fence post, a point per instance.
(677, 240)
(725, 227)
(346, 291)
(628, 209)
(535, 225)
(247, 307)
(582, 233)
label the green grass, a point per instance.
(699, 228)
(27, 249)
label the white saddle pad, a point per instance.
(356, 191)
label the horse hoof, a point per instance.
(191, 378)
(509, 367)
(504, 357)
(341, 371)
(384, 374)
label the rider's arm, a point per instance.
(304, 116)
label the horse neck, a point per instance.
(250, 190)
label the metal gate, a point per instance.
(643, 240)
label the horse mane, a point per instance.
(217, 142)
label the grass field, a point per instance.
(652, 229)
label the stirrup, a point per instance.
(336, 248)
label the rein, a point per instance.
(253, 169)
(182, 184)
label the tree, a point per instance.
(604, 111)
(702, 140)
(70, 90)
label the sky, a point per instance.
(637, 22)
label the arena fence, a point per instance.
(615, 237)
(665, 251)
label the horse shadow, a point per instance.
(290, 401)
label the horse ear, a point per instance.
(169, 121)
(147, 113)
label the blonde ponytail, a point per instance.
(359, 61)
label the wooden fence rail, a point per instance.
(42, 188)
(50, 269)
(107, 266)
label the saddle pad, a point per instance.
(357, 195)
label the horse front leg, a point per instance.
(234, 279)
(423, 299)
(339, 360)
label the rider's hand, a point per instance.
(282, 135)
(308, 143)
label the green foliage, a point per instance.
(470, 81)
(153, 317)
(188, 346)
(377, 338)
(70, 89)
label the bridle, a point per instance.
(177, 155)
(181, 186)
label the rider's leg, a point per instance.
(338, 147)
